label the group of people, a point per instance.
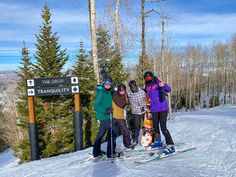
(110, 105)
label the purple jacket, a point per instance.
(158, 103)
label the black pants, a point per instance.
(105, 125)
(121, 124)
(137, 126)
(161, 118)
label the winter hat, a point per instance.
(121, 87)
(132, 82)
(107, 81)
(133, 86)
(148, 76)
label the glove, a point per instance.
(142, 109)
(108, 111)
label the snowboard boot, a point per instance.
(170, 149)
(157, 144)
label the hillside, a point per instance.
(211, 131)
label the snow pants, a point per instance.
(105, 125)
(137, 126)
(121, 124)
(160, 118)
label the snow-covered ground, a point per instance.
(7, 160)
(211, 131)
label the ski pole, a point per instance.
(111, 137)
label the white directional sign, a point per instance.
(74, 80)
(30, 83)
(31, 92)
(75, 89)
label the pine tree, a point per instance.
(104, 49)
(50, 58)
(2, 142)
(54, 115)
(87, 82)
(110, 57)
(117, 72)
(26, 72)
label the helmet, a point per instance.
(148, 76)
(107, 81)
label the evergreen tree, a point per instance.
(104, 49)
(2, 142)
(53, 114)
(117, 72)
(110, 57)
(87, 82)
(23, 150)
(50, 58)
(26, 72)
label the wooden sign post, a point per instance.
(33, 133)
(49, 87)
(78, 124)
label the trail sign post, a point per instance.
(51, 87)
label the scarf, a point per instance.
(120, 100)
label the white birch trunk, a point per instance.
(92, 15)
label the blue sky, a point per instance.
(191, 21)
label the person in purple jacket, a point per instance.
(156, 91)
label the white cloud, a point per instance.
(21, 23)
(16, 14)
(16, 35)
(201, 24)
(28, 15)
(63, 17)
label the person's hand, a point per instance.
(143, 109)
(109, 111)
(161, 84)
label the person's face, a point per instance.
(148, 78)
(133, 88)
(122, 91)
(107, 86)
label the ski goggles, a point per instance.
(107, 83)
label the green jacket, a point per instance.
(102, 101)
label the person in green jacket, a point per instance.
(103, 108)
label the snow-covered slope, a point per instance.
(7, 160)
(211, 131)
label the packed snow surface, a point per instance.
(211, 131)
